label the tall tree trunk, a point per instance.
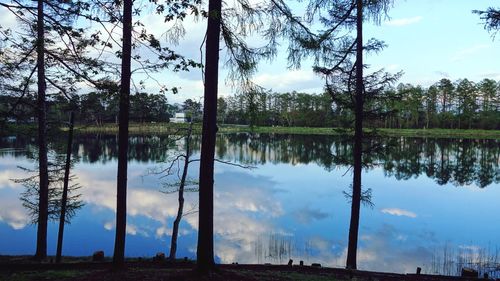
(358, 141)
(121, 184)
(205, 251)
(43, 200)
(64, 200)
(175, 230)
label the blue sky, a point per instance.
(427, 40)
(430, 39)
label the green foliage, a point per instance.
(491, 19)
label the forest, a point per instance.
(462, 104)
(93, 60)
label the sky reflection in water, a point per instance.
(290, 206)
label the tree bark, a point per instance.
(358, 141)
(121, 187)
(205, 251)
(64, 200)
(175, 230)
(43, 200)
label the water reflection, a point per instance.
(457, 161)
(291, 206)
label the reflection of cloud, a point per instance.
(307, 215)
(150, 203)
(109, 225)
(131, 229)
(247, 193)
(135, 230)
(403, 21)
(399, 212)
(12, 212)
(384, 251)
(166, 231)
(243, 203)
(9, 170)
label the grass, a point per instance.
(159, 273)
(169, 128)
(43, 275)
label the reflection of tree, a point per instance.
(456, 161)
(29, 197)
(275, 247)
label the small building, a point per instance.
(179, 118)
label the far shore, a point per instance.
(170, 128)
(176, 128)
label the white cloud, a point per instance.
(290, 80)
(399, 212)
(403, 21)
(7, 20)
(468, 52)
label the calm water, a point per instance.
(430, 196)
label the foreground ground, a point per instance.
(149, 270)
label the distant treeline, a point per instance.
(459, 105)
(462, 104)
(93, 108)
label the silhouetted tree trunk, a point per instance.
(41, 243)
(358, 141)
(175, 230)
(65, 189)
(205, 252)
(121, 185)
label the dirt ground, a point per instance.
(149, 270)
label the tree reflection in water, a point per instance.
(457, 161)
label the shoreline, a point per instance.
(176, 129)
(168, 128)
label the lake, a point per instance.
(434, 201)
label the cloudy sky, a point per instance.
(427, 40)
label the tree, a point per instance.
(446, 90)
(466, 102)
(59, 47)
(205, 252)
(431, 106)
(123, 119)
(192, 109)
(334, 50)
(183, 185)
(233, 24)
(41, 245)
(491, 18)
(222, 109)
